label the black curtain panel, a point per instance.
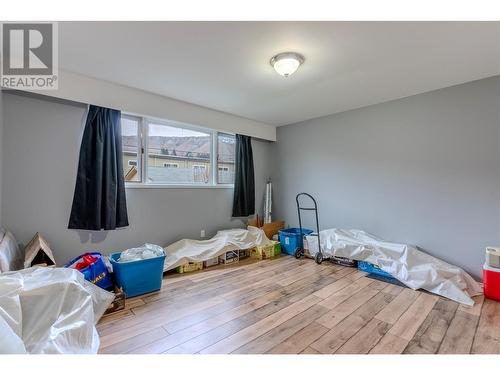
(99, 201)
(244, 180)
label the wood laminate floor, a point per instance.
(285, 305)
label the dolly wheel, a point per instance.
(298, 253)
(318, 258)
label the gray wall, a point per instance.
(41, 145)
(1, 152)
(423, 170)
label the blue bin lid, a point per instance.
(295, 231)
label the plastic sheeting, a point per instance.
(50, 310)
(412, 267)
(11, 257)
(144, 252)
(184, 251)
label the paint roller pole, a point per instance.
(268, 203)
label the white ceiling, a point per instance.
(225, 65)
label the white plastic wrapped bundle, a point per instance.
(186, 250)
(412, 267)
(50, 310)
(11, 257)
(144, 252)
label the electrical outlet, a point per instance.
(202, 233)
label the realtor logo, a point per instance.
(29, 56)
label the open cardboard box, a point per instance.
(270, 229)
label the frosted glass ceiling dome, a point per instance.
(286, 63)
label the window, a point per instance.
(161, 152)
(170, 165)
(200, 174)
(174, 145)
(225, 158)
(131, 148)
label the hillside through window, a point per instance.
(188, 150)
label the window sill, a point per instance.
(139, 185)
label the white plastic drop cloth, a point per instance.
(184, 251)
(412, 267)
(146, 251)
(50, 310)
(11, 257)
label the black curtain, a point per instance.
(99, 200)
(244, 180)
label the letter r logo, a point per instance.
(27, 48)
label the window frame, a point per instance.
(140, 147)
(143, 154)
(216, 171)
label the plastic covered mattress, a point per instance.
(184, 251)
(11, 257)
(50, 310)
(412, 267)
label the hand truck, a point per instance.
(299, 252)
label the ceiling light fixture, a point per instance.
(286, 63)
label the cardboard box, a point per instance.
(118, 303)
(270, 229)
(229, 257)
(38, 253)
(211, 262)
(266, 252)
(189, 267)
(244, 253)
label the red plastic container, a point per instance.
(491, 281)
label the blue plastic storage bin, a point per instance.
(291, 239)
(138, 277)
(373, 269)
